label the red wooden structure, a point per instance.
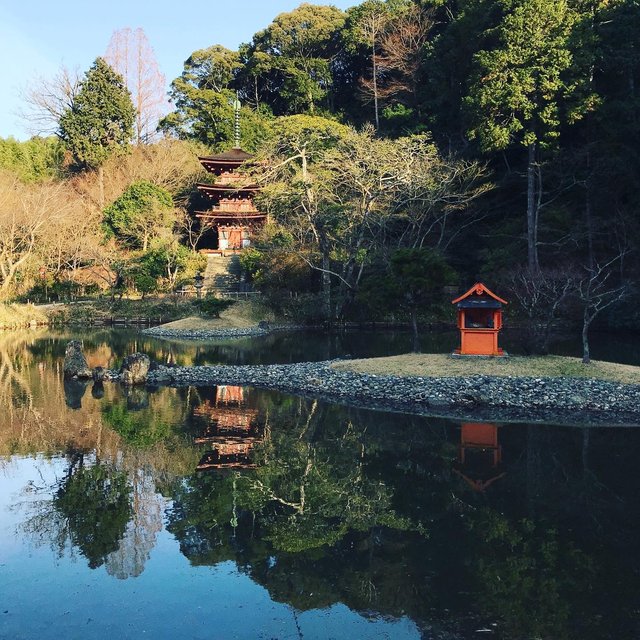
(479, 321)
(480, 456)
(233, 217)
(231, 429)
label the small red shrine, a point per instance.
(232, 217)
(479, 321)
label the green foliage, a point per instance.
(143, 211)
(100, 120)
(95, 501)
(33, 160)
(138, 429)
(204, 95)
(521, 83)
(413, 283)
(528, 576)
(212, 307)
(291, 59)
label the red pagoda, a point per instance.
(233, 216)
(231, 429)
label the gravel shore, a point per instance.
(216, 334)
(557, 400)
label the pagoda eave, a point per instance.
(226, 188)
(231, 215)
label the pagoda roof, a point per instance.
(230, 215)
(486, 297)
(226, 188)
(232, 156)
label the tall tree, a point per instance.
(132, 56)
(365, 24)
(203, 96)
(99, 123)
(520, 88)
(296, 51)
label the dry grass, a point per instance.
(442, 365)
(240, 316)
(19, 315)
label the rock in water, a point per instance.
(75, 364)
(135, 369)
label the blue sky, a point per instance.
(38, 36)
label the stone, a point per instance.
(97, 390)
(135, 369)
(100, 374)
(75, 364)
(74, 390)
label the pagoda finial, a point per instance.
(236, 122)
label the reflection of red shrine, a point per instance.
(233, 217)
(480, 455)
(479, 321)
(231, 430)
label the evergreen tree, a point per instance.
(520, 88)
(100, 120)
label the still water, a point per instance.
(229, 512)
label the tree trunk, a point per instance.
(586, 358)
(375, 81)
(101, 187)
(414, 326)
(532, 213)
(326, 285)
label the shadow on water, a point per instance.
(423, 527)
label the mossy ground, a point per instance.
(442, 365)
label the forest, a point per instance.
(404, 148)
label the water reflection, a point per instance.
(525, 531)
(230, 428)
(480, 455)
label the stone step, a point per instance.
(222, 274)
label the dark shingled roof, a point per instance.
(233, 155)
(483, 302)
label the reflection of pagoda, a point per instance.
(480, 456)
(233, 216)
(231, 429)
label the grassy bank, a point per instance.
(180, 313)
(13, 316)
(442, 365)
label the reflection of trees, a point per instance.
(139, 429)
(338, 507)
(95, 503)
(147, 507)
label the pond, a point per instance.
(230, 512)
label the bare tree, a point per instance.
(27, 215)
(542, 295)
(370, 27)
(131, 55)
(597, 291)
(400, 44)
(48, 98)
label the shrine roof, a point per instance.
(482, 302)
(481, 293)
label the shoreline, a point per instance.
(477, 398)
